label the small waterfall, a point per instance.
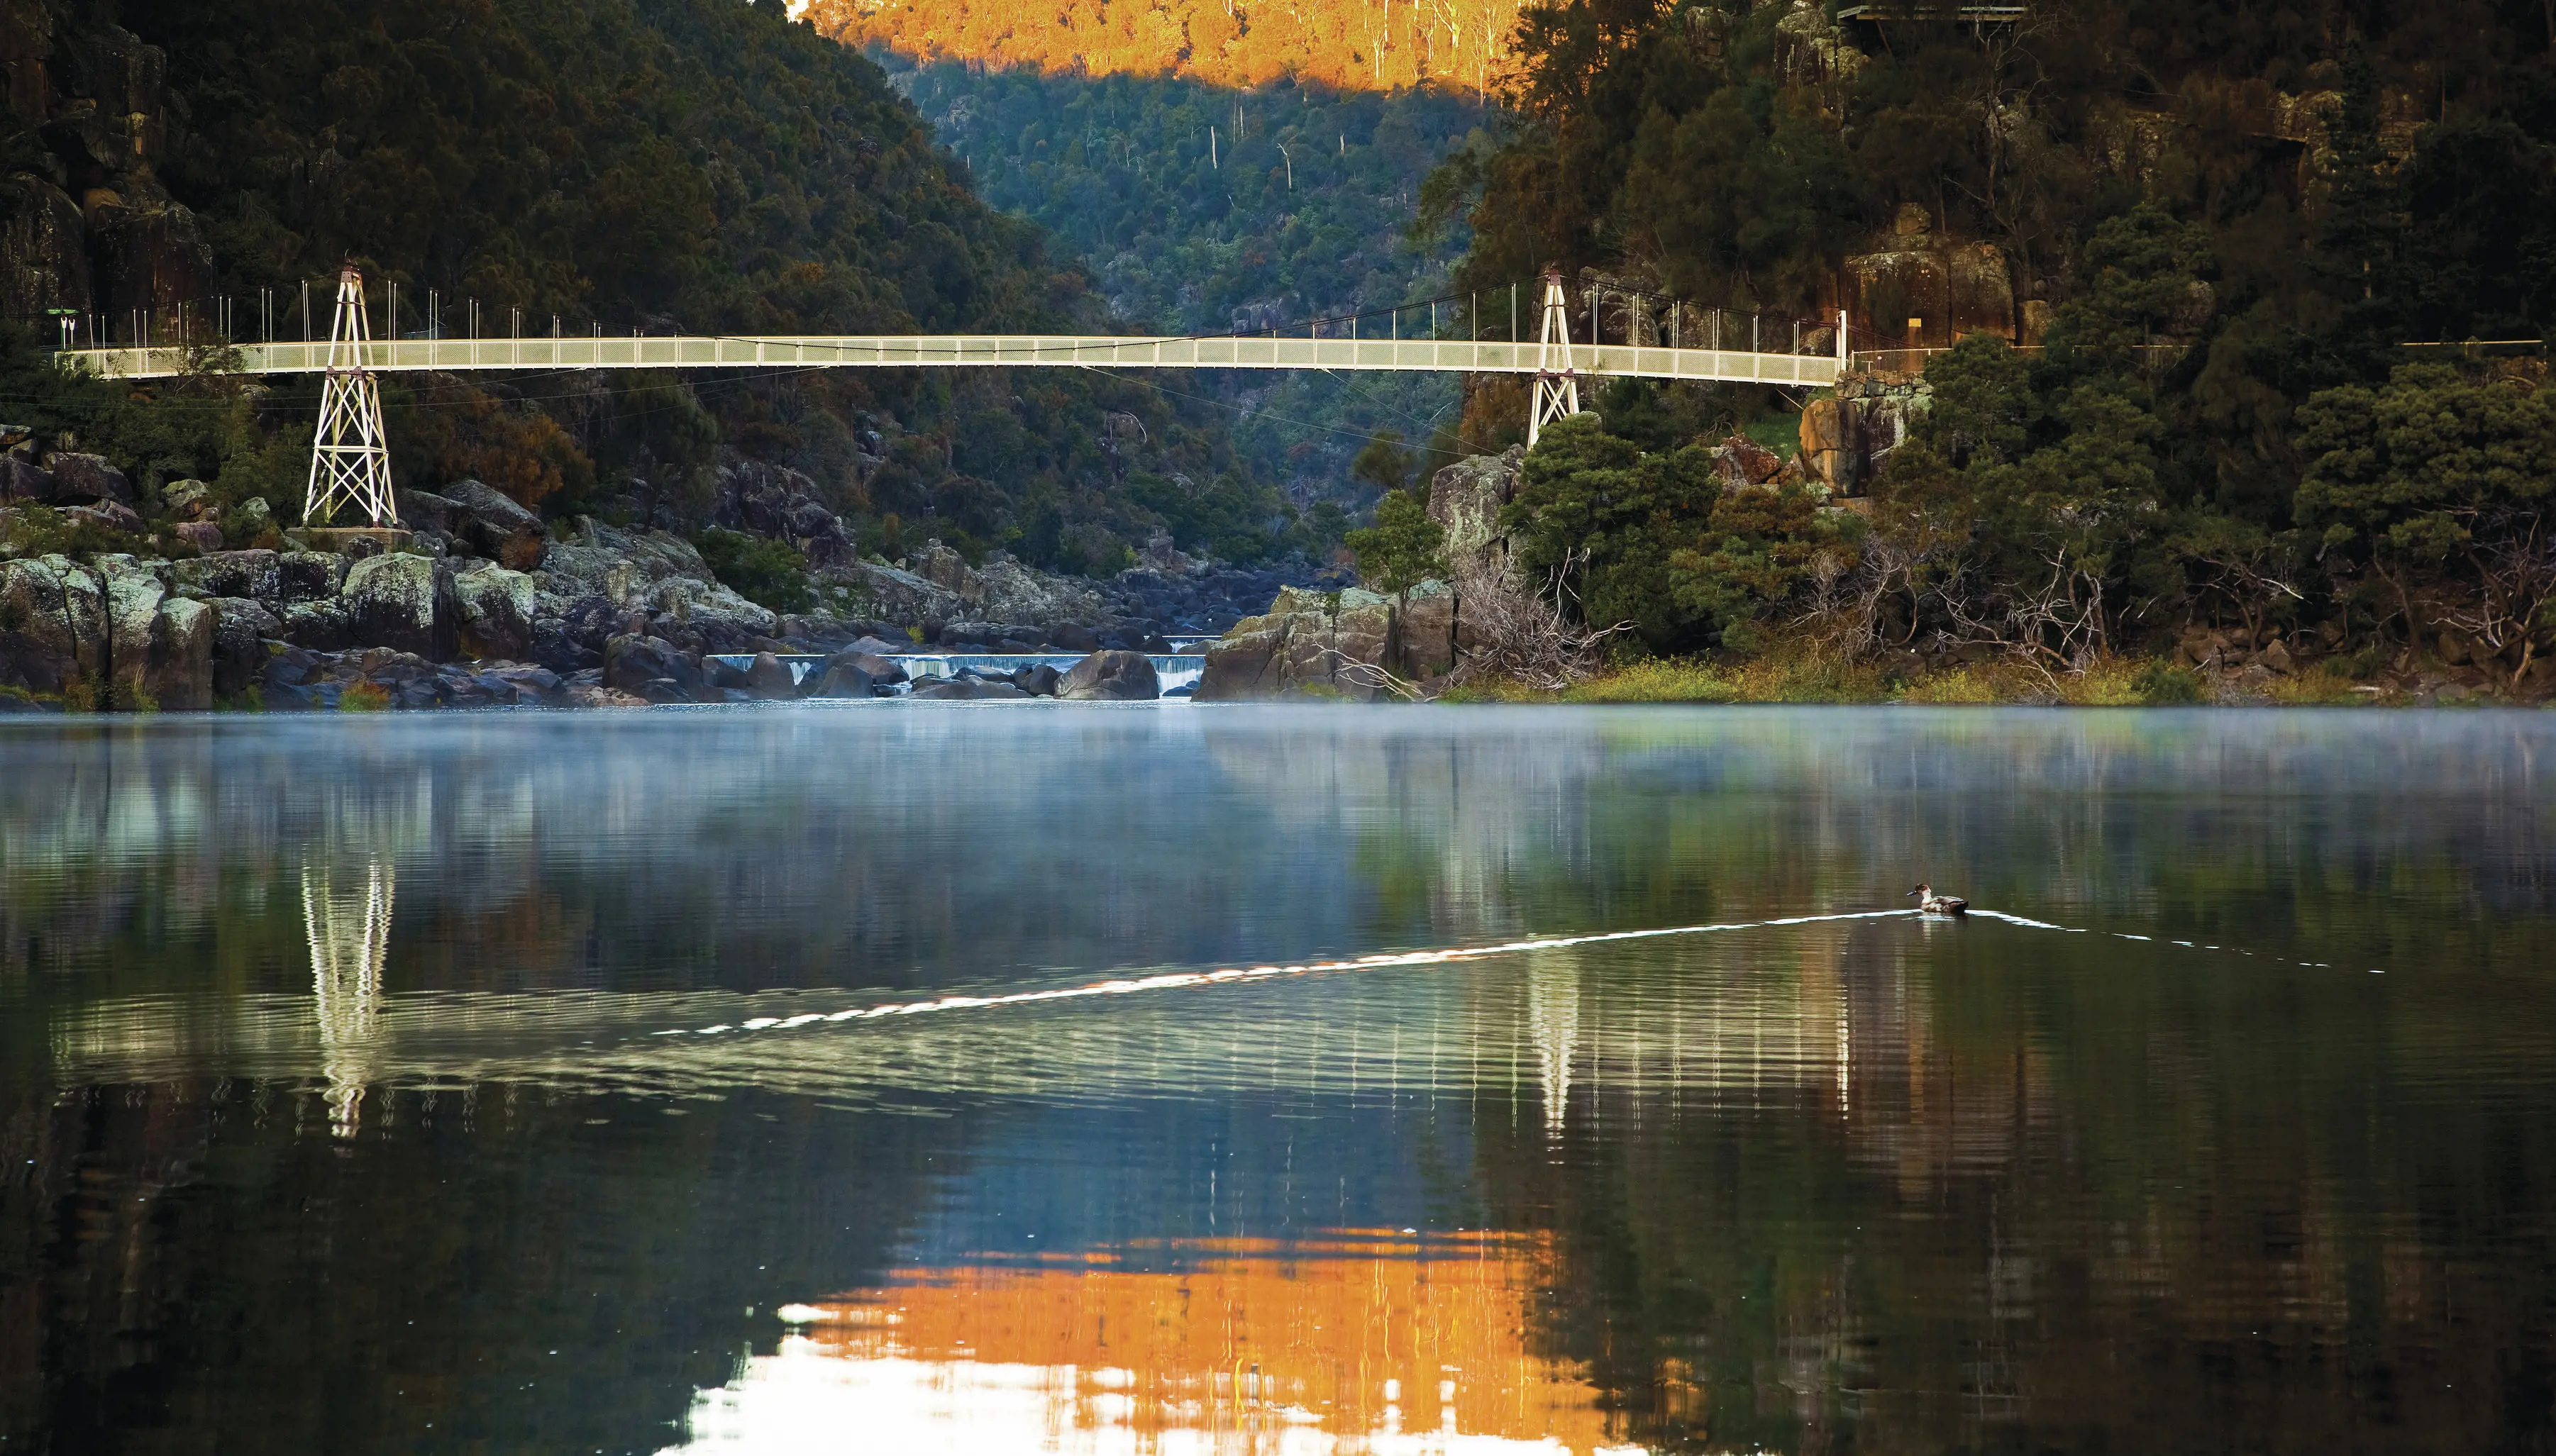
(1178, 672)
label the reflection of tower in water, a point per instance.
(1553, 1029)
(348, 922)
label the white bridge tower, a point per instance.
(350, 456)
(1557, 391)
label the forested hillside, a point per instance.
(2187, 251)
(1296, 209)
(620, 165)
(1452, 44)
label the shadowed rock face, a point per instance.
(85, 224)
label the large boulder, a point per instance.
(845, 680)
(320, 627)
(1827, 452)
(497, 612)
(249, 575)
(632, 664)
(591, 559)
(900, 596)
(52, 627)
(769, 678)
(1316, 644)
(1110, 676)
(494, 526)
(426, 512)
(870, 664)
(81, 477)
(131, 594)
(308, 577)
(966, 689)
(1465, 498)
(405, 603)
(22, 479)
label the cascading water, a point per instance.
(1177, 672)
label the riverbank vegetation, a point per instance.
(2205, 424)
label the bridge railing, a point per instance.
(1011, 351)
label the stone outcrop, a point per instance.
(1465, 498)
(1110, 676)
(405, 603)
(84, 222)
(1952, 288)
(85, 479)
(1846, 438)
(52, 627)
(492, 525)
(782, 504)
(1315, 644)
(500, 609)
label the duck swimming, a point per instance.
(1931, 903)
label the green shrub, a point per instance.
(2163, 684)
(769, 573)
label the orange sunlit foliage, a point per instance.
(1364, 1336)
(1353, 44)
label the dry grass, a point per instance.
(1973, 684)
(363, 698)
(1817, 676)
(2107, 683)
(2321, 685)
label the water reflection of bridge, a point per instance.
(1572, 1040)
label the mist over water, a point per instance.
(338, 1109)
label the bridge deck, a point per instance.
(980, 351)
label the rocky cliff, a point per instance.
(85, 226)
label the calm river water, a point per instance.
(664, 1082)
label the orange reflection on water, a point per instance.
(1363, 1342)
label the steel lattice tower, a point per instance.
(350, 456)
(1557, 391)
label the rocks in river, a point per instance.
(871, 664)
(631, 664)
(1037, 680)
(297, 680)
(845, 680)
(770, 679)
(1110, 676)
(945, 689)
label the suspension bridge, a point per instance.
(350, 460)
